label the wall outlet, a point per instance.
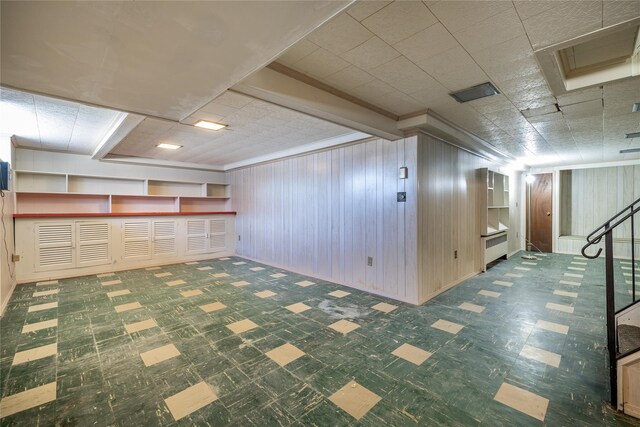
(15, 258)
(238, 237)
(402, 196)
(370, 261)
(455, 254)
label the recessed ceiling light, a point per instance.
(633, 135)
(210, 125)
(169, 146)
(636, 107)
(475, 92)
(630, 150)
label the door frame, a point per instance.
(555, 210)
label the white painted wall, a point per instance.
(7, 204)
(324, 213)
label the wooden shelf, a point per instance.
(493, 208)
(93, 215)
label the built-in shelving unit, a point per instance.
(44, 192)
(494, 213)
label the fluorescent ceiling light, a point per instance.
(210, 125)
(169, 146)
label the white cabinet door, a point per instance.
(93, 243)
(197, 236)
(54, 246)
(164, 238)
(217, 235)
(136, 239)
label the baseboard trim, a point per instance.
(449, 286)
(5, 303)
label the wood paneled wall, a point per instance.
(448, 215)
(325, 213)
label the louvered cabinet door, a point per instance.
(197, 236)
(54, 246)
(217, 235)
(93, 243)
(164, 239)
(136, 240)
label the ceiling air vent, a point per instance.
(630, 150)
(475, 92)
(633, 135)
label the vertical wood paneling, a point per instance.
(323, 214)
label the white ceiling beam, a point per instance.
(122, 126)
(280, 89)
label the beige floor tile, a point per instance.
(111, 282)
(27, 399)
(298, 307)
(522, 268)
(559, 307)
(265, 294)
(629, 268)
(446, 326)
(219, 275)
(152, 268)
(126, 307)
(242, 326)
(553, 327)
(278, 275)
(513, 275)
(489, 294)
(540, 355)
(205, 268)
(239, 263)
(240, 283)
(48, 282)
(40, 307)
(176, 283)
(224, 259)
(256, 269)
(191, 263)
(384, 307)
(214, 306)
(339, 294)
(415, 355)
(579, 276)
(100, 276)
(627, 274)
(118, 293)
(578, 263)
(471, 307)
(161, 275)
(305, 283)
(629, 282)
(285, 354)
(529, 263)
(570, 283)
(344, 326)
(355, 399)
(140, 326)
(576, 268)
(502, 283)
(566, 294)
(192, 293)
(35, 354)
(522, 400)
(46, 293)
(32, 327)
(190, 400)
(160, 354)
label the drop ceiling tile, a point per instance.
(454, 69)
(426, 44)
(616, 11)
(404, 75)
(340, 34)
(563, 21)
(494, 30)
(527, 8)
(233, 99)
(400, 104)
(370, 54)
(320, 64)
(457, 15)
(372, 90)
(348, 78)
(363, 9)
(400, 20)
(296, 52)
(587, 109)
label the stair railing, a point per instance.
(594, 238)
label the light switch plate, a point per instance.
(402, 196)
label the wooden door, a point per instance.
(539, 224)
